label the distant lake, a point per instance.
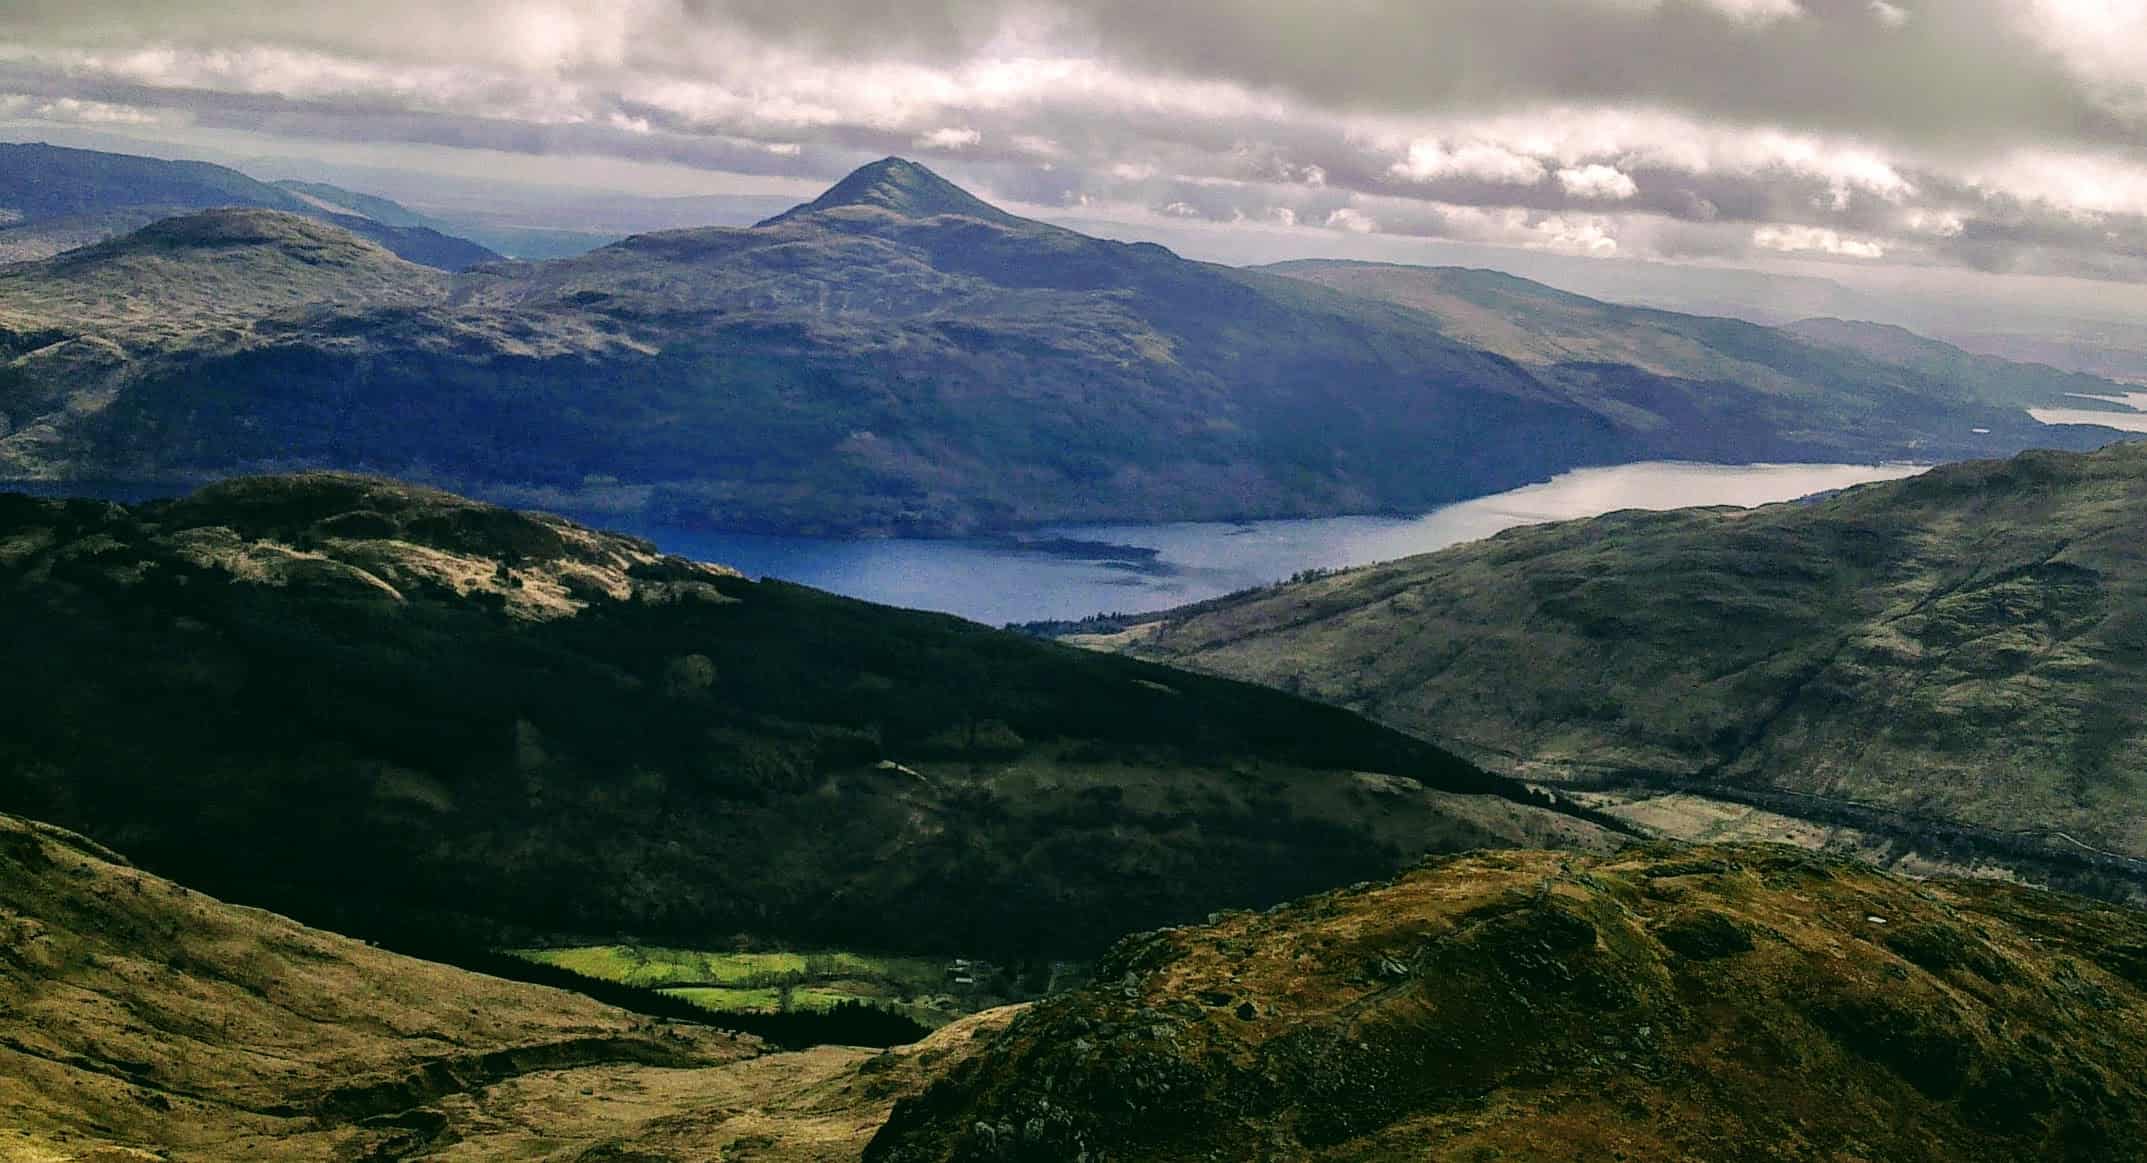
(1074, 571)
(1069, 572)
(2132, 417)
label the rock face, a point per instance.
(1676, 1004)
(1968, 646)
(408, 716)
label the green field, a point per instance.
(725, 1000)
(926, 989)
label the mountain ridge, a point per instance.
(861, 369)
(1539, 325)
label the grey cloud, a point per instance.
(1315, 100)
(1961, 71)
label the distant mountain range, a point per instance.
(515, 241)
(1963, 648)
(1810, 365)
(54, 199)
(898, 356)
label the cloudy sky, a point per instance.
(1999, 135)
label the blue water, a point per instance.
(1155, 567)
(998, 583)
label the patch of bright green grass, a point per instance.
(733, 1001)
(657, 966)
(757, 983)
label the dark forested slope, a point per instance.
(399, 713)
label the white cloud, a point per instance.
(2104, 43)
(1746, 12)
(1590, 236)
(2077, 184)
(1430, 161)
(1519, 148)
(1816, 239)
(1353, 220)
(74, 111)
(1760, 12)
(949, 138)
(1934, 223)
(1599, 183)
(1847, 169)
(1890, 15)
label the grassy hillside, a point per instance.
(141, 1019)
(898, 356)
(401, 714)
(78, 329)
(138, 1010)
(191, 277)
(54, 199)
(1964, 646)
(1677, 1004)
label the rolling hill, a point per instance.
(1688, 1005)
(140, 1019)
(1962, 647)
(406, 716)
(898, 356)
(54, 199)
(1674, 1003)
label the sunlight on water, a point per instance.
(2133, 421)
(1192, 561)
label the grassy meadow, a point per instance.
(929, 990)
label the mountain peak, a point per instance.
(901, 187)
